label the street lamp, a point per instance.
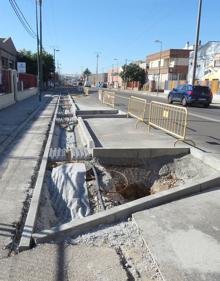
(54, 57)
(158, 79)
(117, 69)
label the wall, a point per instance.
(6, 100)
(26, 94)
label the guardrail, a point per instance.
(137, 108)
(108, 98)
(170, 119)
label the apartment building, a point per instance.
(172, 64)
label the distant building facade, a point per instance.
(208, 62)
(8, 54)
(101, 77)
(114, 78)
(174, 65)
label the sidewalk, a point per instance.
(18, 163)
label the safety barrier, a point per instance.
(86, 91)
(100, 93)
(170, 119)
(108, 98)
(137, 108)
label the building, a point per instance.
(208, 62)
(8, 54)
(100, 77)
(173, 66)
(114, 78)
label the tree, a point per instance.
(31, 63)
(133, 72)
(86, 73)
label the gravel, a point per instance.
(127, 241)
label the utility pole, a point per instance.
(97, 66)
(38, 56)
(158, 79)
(126, 62)
(54, 58)
(41, 52)
(197, 41)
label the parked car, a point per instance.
(188, 94)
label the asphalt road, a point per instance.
(203, 123)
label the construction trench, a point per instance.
(80, 183)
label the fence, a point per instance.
(137, 108)
(108, 98)
(27, 80)
(169, 118)
(5, 81)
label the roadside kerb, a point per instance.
(207, 158)
(108, 98)
(117, 213)
(87, 139)
(28, 229)
(137, 108)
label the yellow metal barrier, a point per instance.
(170, 119)
(86, 91)
(137, 108)
(100, 93)
(108, 98)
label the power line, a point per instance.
(22, 19)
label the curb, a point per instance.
(35, 200)
(123, 211)
(85, 134)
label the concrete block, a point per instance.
(85, 134)
(35, 201)
(119, 212)
(212, 181)
(205, 157)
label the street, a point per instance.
(203, 123)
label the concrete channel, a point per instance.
(82, 185)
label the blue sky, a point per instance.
(122, 29)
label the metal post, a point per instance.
(97, 66)
(54, 74)
(54, 58)
(38, 57)
(158, 79)
(197, 42)
(41, 51)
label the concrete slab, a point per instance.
(184, 237)
(121, 132)
(62, 262)
(91, 102)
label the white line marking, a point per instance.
(205, 118)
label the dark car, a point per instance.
(188, 94)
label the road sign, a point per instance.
(21, 67)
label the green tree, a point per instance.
(133, 72)
(86, 73)
(31, 63)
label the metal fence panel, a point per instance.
(169, 118)
(137, 108)
(108, 98)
